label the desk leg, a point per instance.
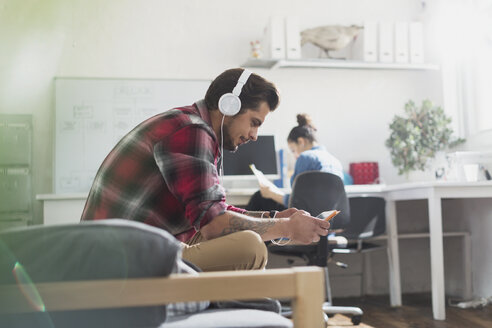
(393, 254)
(437, 260)
(467, 292)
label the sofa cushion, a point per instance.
(229, 318)
(182, 308)
(92, 250)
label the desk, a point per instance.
(434, 192)
(63, 208)
(68, 208)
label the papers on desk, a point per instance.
(262, 179)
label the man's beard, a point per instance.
(228, 142)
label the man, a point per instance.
(164, 173)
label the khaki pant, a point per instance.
(243, 250)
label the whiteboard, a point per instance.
(92, 115)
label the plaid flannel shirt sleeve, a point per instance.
(186, 160)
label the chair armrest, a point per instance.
(302, 284)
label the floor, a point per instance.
(416, 313)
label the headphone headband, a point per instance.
(241, 82)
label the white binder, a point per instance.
(292, 38)
(386, 49)
(416, 34)
(365, 47)
(273, 42)
(401, 42)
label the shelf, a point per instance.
(333, 63)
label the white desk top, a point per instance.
(436, 184)
(350, 189)
(231, 191)
(74, 196)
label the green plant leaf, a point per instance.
(418, 135)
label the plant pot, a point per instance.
(437, 169)
(417, 176)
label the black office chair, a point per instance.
(367, 220)
(316, 192)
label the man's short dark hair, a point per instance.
(255, 91)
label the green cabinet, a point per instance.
(15, 170)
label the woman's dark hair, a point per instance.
(305, 129)
(255, 91)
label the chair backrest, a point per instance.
(316, 191)
(368, 218)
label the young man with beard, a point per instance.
(164, 173)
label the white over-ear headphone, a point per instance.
(229, 103)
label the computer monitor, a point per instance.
(261, 153)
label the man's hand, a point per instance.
(305, 229)
(289, 212)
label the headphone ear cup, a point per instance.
(229, 104)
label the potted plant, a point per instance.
(416, 137)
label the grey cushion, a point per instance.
(264, 304)
(232, 318)
(93, 250)
(177, 309)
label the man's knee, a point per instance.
(253, 248)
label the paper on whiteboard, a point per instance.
(262, 179)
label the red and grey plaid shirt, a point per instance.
(163, 173)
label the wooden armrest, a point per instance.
(304, 285)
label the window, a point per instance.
(483, 73)
(464, 39)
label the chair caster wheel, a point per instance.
(356, 320)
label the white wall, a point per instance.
(193, 39)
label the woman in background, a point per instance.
(310, 156)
